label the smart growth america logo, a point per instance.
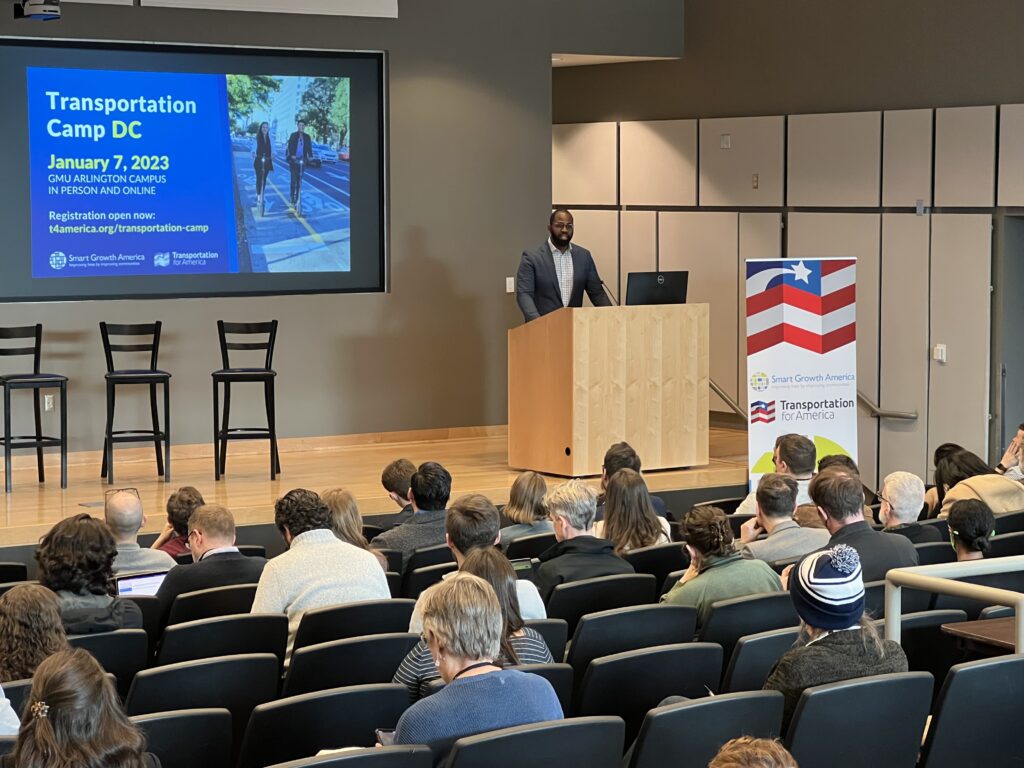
(762, 412)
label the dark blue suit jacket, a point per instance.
(537, 290)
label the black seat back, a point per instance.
(595, 742)
(224, 636)
(1007, 545)
(689, 735)
(13, 572)
(631, 683)
(530, 546)
(300, 726)
(371, 617)
(19, 349)
(418, 580)
(659, 560)
(1013, 581)
(394, 558)
(1011, 522)
(898, 704)
(730, 620)
(353, 661)
(754, 657)
(151, 617)
(912, 600)
(252, 550)
(123, 653)
(928, 648)
(267, 329)
(189, 737)
(555, 633)
(559, 675)
(382, 757)
(208, 603)
(435, 555)
(933, 552)
(152, 330)
(576, 599)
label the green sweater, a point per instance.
(723, 578)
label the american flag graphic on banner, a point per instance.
(811, 305)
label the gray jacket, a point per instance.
(424, 529)
(131, 558)
(787, 540)
(537, 290)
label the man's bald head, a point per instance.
(123, 513)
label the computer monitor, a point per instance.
(656, 288)
(139, 584)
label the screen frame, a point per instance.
(383, 161)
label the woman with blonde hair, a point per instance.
(526, 509)
(30, 630)
(629, 519)
(347, 523)
(73, 719)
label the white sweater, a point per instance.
(317, 571)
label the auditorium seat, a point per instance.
(911, 600)
(208, 603)
(384, 757)
(300, 726)
(394, 558)
(530, 546)
(940, 524)
(394, 583)
(977, 715)
(728, 505)
(436, 555)
(150, 608)
(559, 675)
(573, 600)
(1013, 581)
(736, 523)
(555, 633)
(995, 612)
(370, 617)
(671, 580)
(372, 531)
(933, 552)
(730, 620)
(1007, 545)
(224, 636)
(188, 738)
(12, 584)
(252, 550)
(629, 684)
(228, 375)
(1011, 522)
(753, 658)
(13, 572)
(151, 377)
(7, 744)
(123, 653)
(353, 661)
(416, 581)
(659, 560)
(689, 734)
(594, 742)
(897, 705)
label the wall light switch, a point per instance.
(725, 141)
(510, 285)
(939, 353)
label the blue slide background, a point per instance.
(198, 189)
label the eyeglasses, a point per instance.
(880, 497)
(112, 491)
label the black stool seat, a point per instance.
(244, 374)
(128, 376)
(31, 379)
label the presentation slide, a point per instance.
(174, 172)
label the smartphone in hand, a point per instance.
(385, 736)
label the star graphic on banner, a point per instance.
(801, 272)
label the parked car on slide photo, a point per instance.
(323, 154)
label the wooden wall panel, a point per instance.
(658, 162)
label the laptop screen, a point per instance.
(140, 584)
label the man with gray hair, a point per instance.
(902, 498)
(122, 511)
(578, 554)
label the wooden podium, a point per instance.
(582, 379)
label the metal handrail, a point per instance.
(941, 578)
(728, 400)
(878, 413)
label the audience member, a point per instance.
(838, 642)
(806, 516)
(578, 554)
(30, 630)
(839, 497)
(902, 498)
(173, 539)
(429, 489)
(776, 504)
(217, 561)
(933, 496)
(794, 455)
(463, 627)
(629, 519)
(622, 456)
(396, 478)
(122, 511)
(73, 717)
(525, 509)
(748, 752)
(519, 644)
(717, 571)
(347, 523)
(971, 528)
(9, 722)
(963, 475)
(843, 461)
(76, 561)
(1012, 463)
(472, 524)
(319, 569)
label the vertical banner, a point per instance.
(801, 356)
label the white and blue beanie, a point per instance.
(827, 588)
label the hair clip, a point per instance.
(40, 709)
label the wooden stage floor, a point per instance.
(476, 457)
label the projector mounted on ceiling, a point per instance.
(40, 10)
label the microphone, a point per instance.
(609, 292)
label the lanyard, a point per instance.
(471, 667)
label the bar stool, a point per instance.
(35, 381)
(152, 377)
(227, 376)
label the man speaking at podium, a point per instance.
(555, 274)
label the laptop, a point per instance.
(656, 288)
(139, 583)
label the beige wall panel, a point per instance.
(903, 384)
(756, 146)
(834, 159)
(658, 162)
(907, 157)
(1011, 154)
(639, 248)
(760, 238)
(706, 244)
(583, 160)
(965, 156)
(960, 305)
(598, 232)
(851, 234)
